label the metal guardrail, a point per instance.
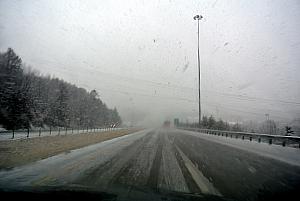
(30, 133)
(292, 141)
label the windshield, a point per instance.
(180, 98)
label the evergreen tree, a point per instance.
(211, 122)
(205, 121)
(14, 111)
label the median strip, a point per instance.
(21, 152)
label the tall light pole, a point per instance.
(198, 18)
(268, 122)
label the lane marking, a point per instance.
(42, 180)
(202, 182)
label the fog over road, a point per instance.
(168, 160)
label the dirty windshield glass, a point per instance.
(150, 100)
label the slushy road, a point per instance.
(169, 160)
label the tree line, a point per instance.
(29, 100)
(209, 122)
(266, 127)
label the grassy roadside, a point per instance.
(20, 152)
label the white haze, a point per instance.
(141, 56)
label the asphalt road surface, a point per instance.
(168, 160)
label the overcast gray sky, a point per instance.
(141, 56)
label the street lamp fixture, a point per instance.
(198, 17)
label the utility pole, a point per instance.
(268, 122)
(198, 18)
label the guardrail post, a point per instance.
(58, 131)
(270, 141)
(27, 132)
(40, 132)
(50, 130)
(283, 143)
(230, 135)
(13, 134)
(259, 139)
(250, 138)
(243, 137)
